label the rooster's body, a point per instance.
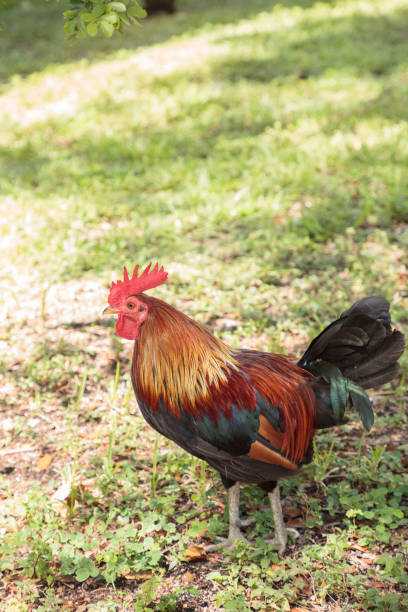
(251, 415)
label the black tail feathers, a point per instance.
(361, 344)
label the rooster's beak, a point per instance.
(110, 310)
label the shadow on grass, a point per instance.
(151, 149)
(139, 166)
(359, 44)
(42, 25)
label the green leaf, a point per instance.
(137, 11)
(93, 571)
(86, 17)
(98, 11)
(112, 18)
(82, 574)
(81, 26)
(117, 6)
(92, 29)
(107, 28)
(69, 27)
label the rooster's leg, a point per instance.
(233, 511)
(281, 536)
(281, 532)
(235, 523)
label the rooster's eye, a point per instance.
(130, 305)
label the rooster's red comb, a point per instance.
(136, 284)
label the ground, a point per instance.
(259, 152)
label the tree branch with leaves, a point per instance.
(90, 16)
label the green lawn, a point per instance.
(259, 151)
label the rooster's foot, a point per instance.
(281, 539)
(225, 542)
(235, 522)
(235, 534)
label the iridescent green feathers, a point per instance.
(344, 392)
(357, 351)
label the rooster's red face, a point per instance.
(131, 314)
(124, 302)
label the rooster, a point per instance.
(251, 415)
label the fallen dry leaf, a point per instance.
(297, 522)
(194, 553)
(63, 492)
(323, 596)
(140, 576)
(188, 577)
(355, 546)
(376, 584)
(60, 508)
(293, 512)
(44, 462)
(305, 587)
(60, 384)
(202, 532)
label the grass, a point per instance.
(259, 152)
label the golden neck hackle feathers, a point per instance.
(179, 362)
(177, 359)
